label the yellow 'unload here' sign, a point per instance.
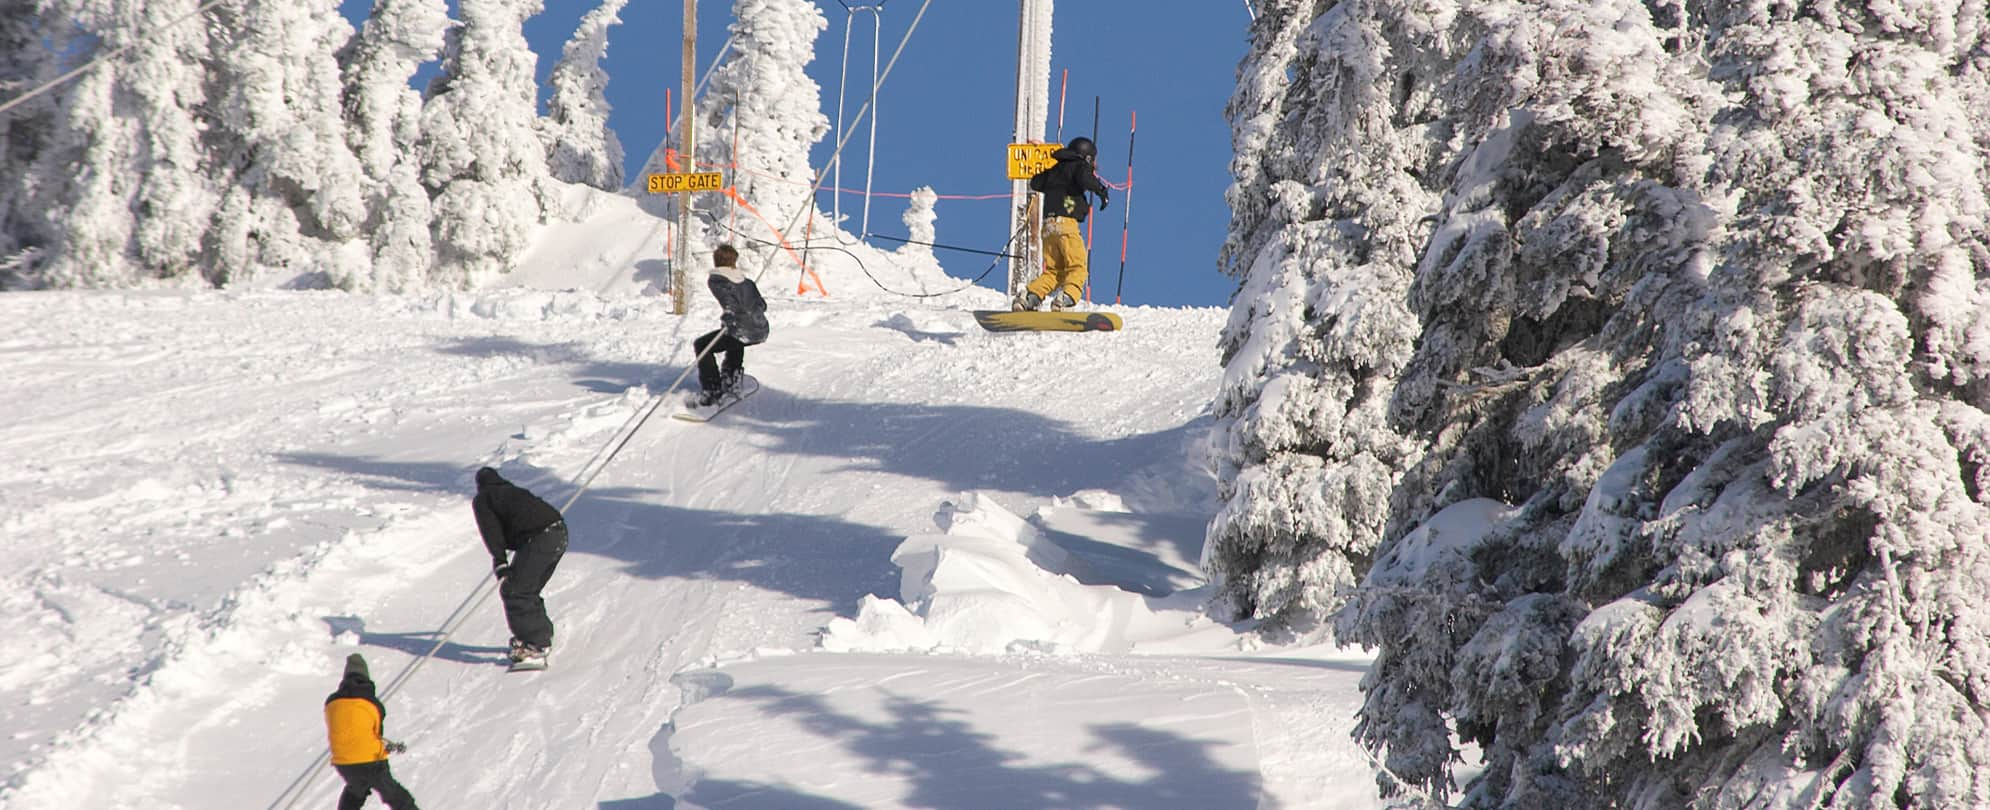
(686, 181)
(1026, 159)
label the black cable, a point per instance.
(713, 221)
(946, 247)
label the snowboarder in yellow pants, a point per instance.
(1064, 206)
(1064, 263)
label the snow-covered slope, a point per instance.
(212, 498)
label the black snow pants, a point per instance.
(363, 779)
(531, 566)
(709, 375)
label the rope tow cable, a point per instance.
(302, 784)
(115, 52)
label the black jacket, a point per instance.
(356, 685)
(745, 315)
(507, 515)
(1064, 186)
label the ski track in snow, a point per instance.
(213, 497)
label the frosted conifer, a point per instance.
(138, 201)
(1323, 233)
(1683, 456)
(383, 118)
(482, 159)
(580, 147)
(26, 62)
(763, 93)
(277, 139)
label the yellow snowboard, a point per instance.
(995, 320)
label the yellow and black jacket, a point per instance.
(353, 719)
(1064, 186)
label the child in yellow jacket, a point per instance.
(353, 717)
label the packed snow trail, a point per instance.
(283, 478)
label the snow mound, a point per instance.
(993, 583)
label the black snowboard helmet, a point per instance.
(1083, 146)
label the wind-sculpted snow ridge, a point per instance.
(993, 583)
(1700, 292)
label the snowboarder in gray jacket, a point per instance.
(743, 324)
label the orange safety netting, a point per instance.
(808, 273)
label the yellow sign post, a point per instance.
(686, 181)
(1026, 159)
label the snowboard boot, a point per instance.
(1028, 302)
(706, 399)
(523, 653)
(1062, 302)
(729, 382)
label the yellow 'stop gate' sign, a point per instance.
(686, 181)
(1026, 159)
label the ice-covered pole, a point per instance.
(1032, 112)
(680, 284)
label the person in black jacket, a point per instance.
(516, 522)
(1064, 206)
(743, 324)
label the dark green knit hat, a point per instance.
(355, 663)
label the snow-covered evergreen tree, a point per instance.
(920, 217)
(1667, 428)
(26, 62)
(763, 92)
(383, 117)
(136, 201)
(580, 147)
(482, 159)
(1323, 231)
(296, 192)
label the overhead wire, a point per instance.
(806, 247)
(113, 54)
(843, 138)
(943, 246)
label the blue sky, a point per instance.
(945, 115)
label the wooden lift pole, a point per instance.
(680, 284)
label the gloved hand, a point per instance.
(396, 747)
(1105, 201)
(501, 570)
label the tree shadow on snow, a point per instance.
(948, 763)
(399, 476)
(904, 326)
(759, 797)
(1155, 556)
(590, 373)
(654, 274)
(807, 556)
(961, 447)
